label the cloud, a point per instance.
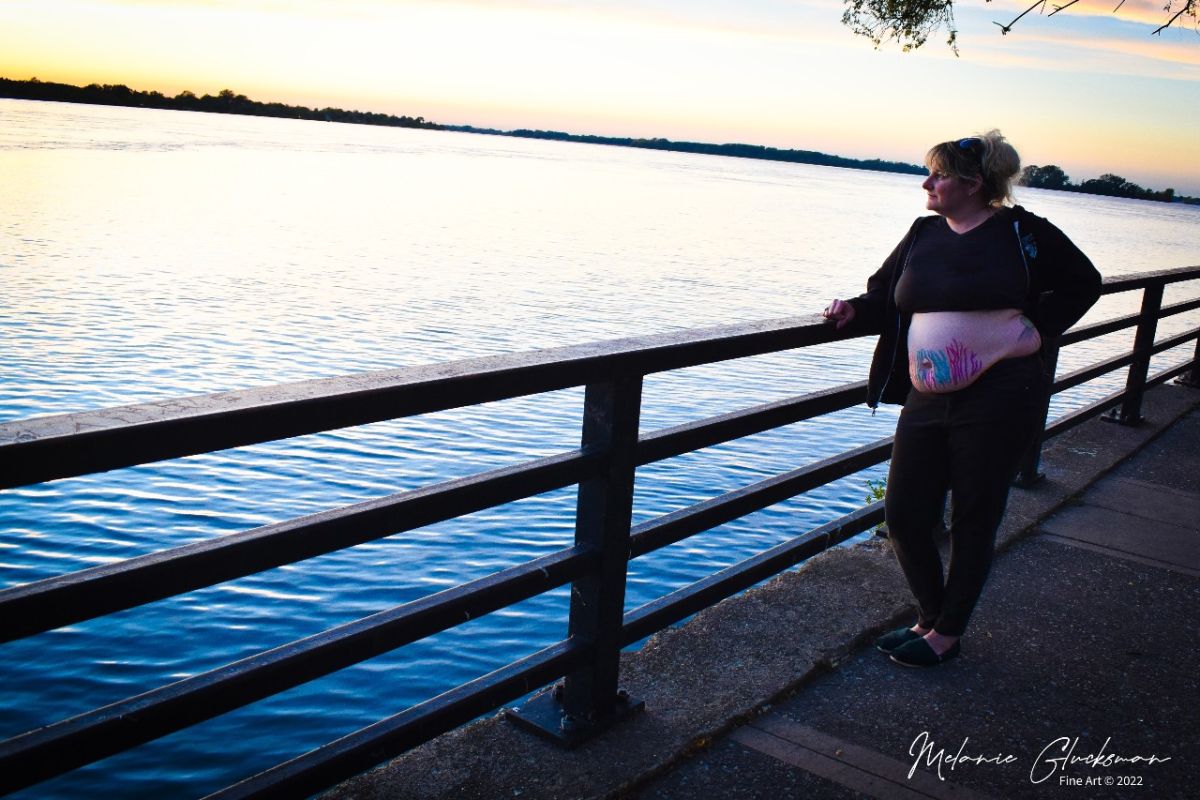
(1094, 55)
(776, 19)
(1093, 43)
(1143, 13)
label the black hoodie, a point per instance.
(1062, 286)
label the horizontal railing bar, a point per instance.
(1098, 329)
(1175, 341)
(46, 448)
(86, 594)
(1179, 308)
(692, 436)
(678, 525)
(1077, 417)
(1081, 415)
(1120, 323)
(65, 745)
(1124, 283)
(1090, 373)
(660, 613)
(370, 746)
(1170, 372)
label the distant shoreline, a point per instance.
(228, 102)
(760, 152)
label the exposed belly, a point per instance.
(949, 350)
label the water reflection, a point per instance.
(153, 254)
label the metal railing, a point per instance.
(588, 698)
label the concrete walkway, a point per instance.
(1085, 643)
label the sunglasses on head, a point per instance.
(974, 146)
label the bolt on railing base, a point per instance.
(1116, 417)
(543, 715)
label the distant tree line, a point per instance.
(229, 102)
(1052, 176)
(735, 150)
(226, 102)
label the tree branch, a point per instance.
(1188, 6)
(1073, 2)
(909, 22)
(1004, 29)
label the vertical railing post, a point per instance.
(605, 506)
(1130, 412)
(589, 699)
(1030, 473)
(1192, 376)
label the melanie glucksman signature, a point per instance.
(1053, 759)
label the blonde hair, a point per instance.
(987, 157)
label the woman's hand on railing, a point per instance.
(840, 312)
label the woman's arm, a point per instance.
(1068, 282)
(868, 312)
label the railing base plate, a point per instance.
(543, 715)
(1192, 381)
(1116, 418)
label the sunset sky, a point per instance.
(1087, 89)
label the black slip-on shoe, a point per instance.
(918, 653)
(890, 641)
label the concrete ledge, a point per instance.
(732, 661)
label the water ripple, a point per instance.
(152, 255)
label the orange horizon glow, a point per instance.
(789, 78)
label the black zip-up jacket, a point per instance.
(1062, 286)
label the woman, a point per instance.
(963, 306)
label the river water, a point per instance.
(151, 254)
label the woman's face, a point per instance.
(950, 195)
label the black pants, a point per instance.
(969, 443)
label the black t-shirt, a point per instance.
(981, 269)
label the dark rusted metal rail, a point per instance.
(48, 448)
